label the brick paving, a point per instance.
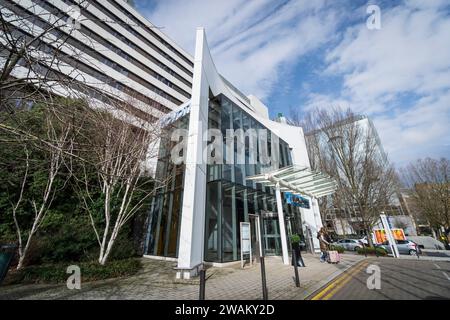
(156, 281)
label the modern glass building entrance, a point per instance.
(229, 204)
(230, 197)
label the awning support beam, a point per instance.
(282, 223)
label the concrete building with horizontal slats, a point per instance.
(112, 48)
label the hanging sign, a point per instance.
(380, 235)
(296, 200)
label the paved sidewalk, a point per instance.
(156, 282)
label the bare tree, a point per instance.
(429, 181)
(118, 150)
(35, 53)
(400, 224)
(309, 123)
(348, 149)
(60, 133)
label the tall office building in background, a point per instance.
(108, 46)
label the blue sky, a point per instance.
(319, 53)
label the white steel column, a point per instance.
(190, 252)
(284, 247)
(315, 207)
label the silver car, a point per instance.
(350, 244)
(403, 246)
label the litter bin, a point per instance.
(6, 255)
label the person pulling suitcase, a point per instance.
(324, 242)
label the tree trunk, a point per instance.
(20, 264)
(369, 238)
(104, 257)
(23, 253)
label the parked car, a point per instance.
(426, 242)
(364, 240)
(403, 246)
(350, 244)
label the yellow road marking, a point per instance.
(343, 283)
(335, 282)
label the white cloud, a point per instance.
(250, 40)
(399, 75)
(323, 101)
(417, 132)
(403, 56)
(179, 19)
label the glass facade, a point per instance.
(230, 198)
(165, 211)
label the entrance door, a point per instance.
(271, 234)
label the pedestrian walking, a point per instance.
(324, 241)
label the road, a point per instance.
(400, 279)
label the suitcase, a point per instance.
(333, 257)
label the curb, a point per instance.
(425, 258)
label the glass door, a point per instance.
(271, 234)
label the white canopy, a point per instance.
(298, 180)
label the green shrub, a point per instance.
(372, 251)
(90, 271)
(295, 238)
(337, 248)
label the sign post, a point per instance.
(389, 235)
(246, 245)
(380, 235)
(261, 255)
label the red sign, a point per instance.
(380, 235)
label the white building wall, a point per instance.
(294, 136)
(259, 107)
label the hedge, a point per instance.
(372, 251)
(90, 271)
(337, 248)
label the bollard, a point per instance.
(202, 284)
(297, 279)
(263, 278)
